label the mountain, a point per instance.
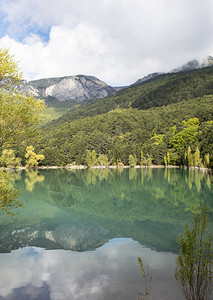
(194, 64)
(189, 66)
(77, 89)
(165, 114)
(161, 90)
(147, 77)
(70, 88)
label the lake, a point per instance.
(80, 232)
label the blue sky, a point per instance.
(117, 41)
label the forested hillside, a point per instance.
(132, 136)
(161, 90)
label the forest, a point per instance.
(167, 120)
(177, 134)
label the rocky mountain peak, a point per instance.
(72, 88)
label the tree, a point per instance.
(141, 161)
(185, 137)
(194, 264)
(149, 160)
(32, 158)
(19, 115)
(8, 66)
(207, 160)
(165, 160)
(8, 159)
(103, 160)
(132, 160)
(189, 157)
(197, 159)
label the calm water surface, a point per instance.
(80, 233)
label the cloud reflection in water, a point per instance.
(109, 272)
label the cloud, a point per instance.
(117, 41)
(109, 272)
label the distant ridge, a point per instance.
(194, 64)
(189, 66)
(76, 89)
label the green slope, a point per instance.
(162, 90)
(125, 132)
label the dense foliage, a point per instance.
(132, 135)
(19, 116)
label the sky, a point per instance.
(117, 41)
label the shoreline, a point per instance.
(83, 167)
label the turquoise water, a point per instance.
(80, 232)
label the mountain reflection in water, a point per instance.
(89, 211)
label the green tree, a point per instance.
(168, 158)
(132, 160)
(197, 158)
(194, 264)
(19, 115)
(149, 160)
(119, 163)
(189, 157)
(186, 137)
(8, 159)
(103, 160)
(207, 160)
(33, 159)
(142, 158)
(8, 66)
(91, 158)
(165, 160)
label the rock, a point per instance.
(72, 88)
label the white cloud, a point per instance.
(117, 41)
(109, 272)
